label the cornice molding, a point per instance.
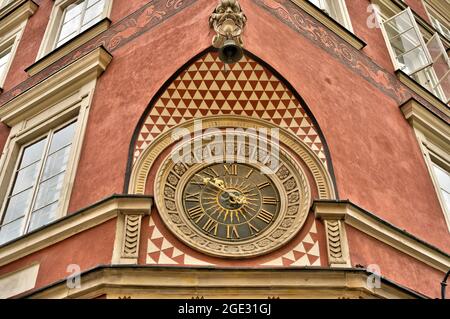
(383, 231)
(422, 119)
(86, 68)
(68, 47)
(176, 282)
(15, 13)
(424, 93)
(331, 24)
(73, 224)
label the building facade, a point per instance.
(135, 163)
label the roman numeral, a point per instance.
(231, 169)
(249, 173)
(193, 197)
(262, 185)
(252, 228)
(211, 225)
(232, 232)
(269, 200)
(265, 216)
(196, 213)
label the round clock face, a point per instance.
(232, 202)
(234, 209)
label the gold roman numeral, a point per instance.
(269, 200)
(262, 185)
(265, 216)
(252, 228)
(196, 213)
(249, 173)
(210, 226)
(231, 169)
(193, 197)
(232, 232)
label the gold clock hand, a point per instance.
(220, 184)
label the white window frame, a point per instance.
(344, 19)
(63, 112)
(433, 153)
(382, 20)
(55, 22)
(434, 14)
(11, 39)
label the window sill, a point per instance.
(15, 13)
(68, 47)
(331, 24)
(73, 224)
(423, 92)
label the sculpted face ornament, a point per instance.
(228, 21)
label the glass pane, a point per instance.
(72, 11)
(398, 24)
(4, 56)
(442, 177)
(43, 216)
(447, 201)
(26, 178)
(10, 231)
(89, 24)
(56, 163)
(17, 206)
(49, 191)
(33, 153)
(405, 42)
(62, 138)
(70, 28)
(413, 60)
(92, 2)
(93, 15)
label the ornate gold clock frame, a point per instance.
(214, 233)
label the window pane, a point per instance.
(17, 206)
(56, 163)
(94, 11)
(447, 201)
(405, 42)
(26, 178)
(4, 59)
(43, 216)
(70, 28)
(49, 191)
(62, 138)
(398, 24)
(443, 177)
(11, 231)
(413, 60)
(72, 11)
(33, 153)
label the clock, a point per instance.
(233, 200)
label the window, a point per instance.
(335, 9)
(5, 57)
(425, 62)
(443, 182)
(78, 17)
(38, 181)
(439, 23)
(4, 3)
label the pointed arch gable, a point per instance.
(249, 88)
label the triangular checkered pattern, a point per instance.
(247, 89)
(161, 251)
(306, 253)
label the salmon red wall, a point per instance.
(87, 249)
(394, 265)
